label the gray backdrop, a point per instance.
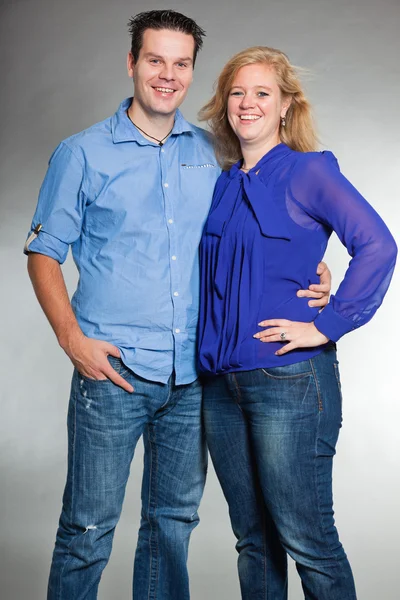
(63, 69)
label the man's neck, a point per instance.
(154, 125)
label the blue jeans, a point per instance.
(104, 425)
(272, 435)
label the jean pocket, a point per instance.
(294, 371)
(116, 364)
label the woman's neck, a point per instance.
(252, 153)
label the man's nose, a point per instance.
(167, 72)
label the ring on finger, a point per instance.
(283, 336)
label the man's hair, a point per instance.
(163, 19)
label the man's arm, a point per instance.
(319, 292)
(320, 297)
(89, 356)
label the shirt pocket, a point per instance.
(198, 181)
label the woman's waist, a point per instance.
(288, 306)
(253, 354)
(227, 343)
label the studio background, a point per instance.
(63, 69)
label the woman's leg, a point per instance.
(262, 561)
(295, 416)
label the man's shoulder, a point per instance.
(93, 136)
(203, 136)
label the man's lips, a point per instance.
(164, 90)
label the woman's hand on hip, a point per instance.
(294, 334)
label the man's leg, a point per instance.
(262, 561)
(104, 425)
(173, 481)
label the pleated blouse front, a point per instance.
(266, 232)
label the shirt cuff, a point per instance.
(47, 244)
(331, 324)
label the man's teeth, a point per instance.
(249, 117)
(165, 90)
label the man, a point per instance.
(130, 195)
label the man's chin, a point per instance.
(165, 110)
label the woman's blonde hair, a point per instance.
(299, 132)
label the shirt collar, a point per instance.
(124, 131)
(272, 157)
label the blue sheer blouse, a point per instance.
(266, 232)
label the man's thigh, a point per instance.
(175, 452)
(104, 425)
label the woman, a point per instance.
(272, 399)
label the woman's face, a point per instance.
(255, 105)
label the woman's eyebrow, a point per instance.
(259, 87)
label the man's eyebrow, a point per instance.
(147, 54)
(152, 55)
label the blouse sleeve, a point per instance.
(328, 197)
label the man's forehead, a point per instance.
(166, 39)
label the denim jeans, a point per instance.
(272, 435)
(104, 425)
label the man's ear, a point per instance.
(130, 64)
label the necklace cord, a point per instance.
(160, 142)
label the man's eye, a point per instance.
(155, 60)
(182, 65)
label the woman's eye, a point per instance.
(263, 94)
(236, 93)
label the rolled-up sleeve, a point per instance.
(327, 196)
(57, 221)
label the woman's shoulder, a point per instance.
(314, 164)
(315, 157)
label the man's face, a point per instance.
(163, 72)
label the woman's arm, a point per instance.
(319, 188)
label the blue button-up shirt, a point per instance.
(133, 213)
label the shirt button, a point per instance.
(170, 220)
(177, 330)
(162, 150)
(173, 257)
(165, 184)
(176, 293)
